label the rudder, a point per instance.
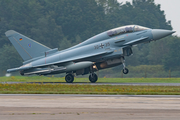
(26, 47)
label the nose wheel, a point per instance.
(125, 71)
(93, 77)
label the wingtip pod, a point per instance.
(12, 70)
(10, 33)
(18, 69)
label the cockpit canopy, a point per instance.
(125, 29)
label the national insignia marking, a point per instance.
(29, 45)
(20, 39)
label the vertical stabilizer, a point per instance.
(26, 47)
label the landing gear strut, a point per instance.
(69, 78)
(93, 77)
(125, 70)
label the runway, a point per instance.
(85, 83)
(88, 107)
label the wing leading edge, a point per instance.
(78, 58)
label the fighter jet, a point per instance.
(105, 50)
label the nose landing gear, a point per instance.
(125, 70)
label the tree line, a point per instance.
(64, 23)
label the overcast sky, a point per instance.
(172, 12)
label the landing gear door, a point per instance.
(127, 51)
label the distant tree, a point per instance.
(149, 14)
(82, 17)
(172, 57)
(64, 44)
(64, 23)
(9, 58)
(109, 6)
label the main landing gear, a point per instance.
(93, 77)
(125, 70)
(69, 78)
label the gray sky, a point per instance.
(172, 12)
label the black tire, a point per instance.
(69, 78)
(125, 71)
(93, 78)
(21, 72)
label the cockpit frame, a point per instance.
(126, 29)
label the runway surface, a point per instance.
(88, 107)
(85, 83)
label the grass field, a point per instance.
(87, 89)
(110, 80)
(27, 88)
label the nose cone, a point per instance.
(158, 33)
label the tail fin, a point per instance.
(26, 47)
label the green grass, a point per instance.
(87, 89)
(110, 80)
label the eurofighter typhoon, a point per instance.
(105, 50)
